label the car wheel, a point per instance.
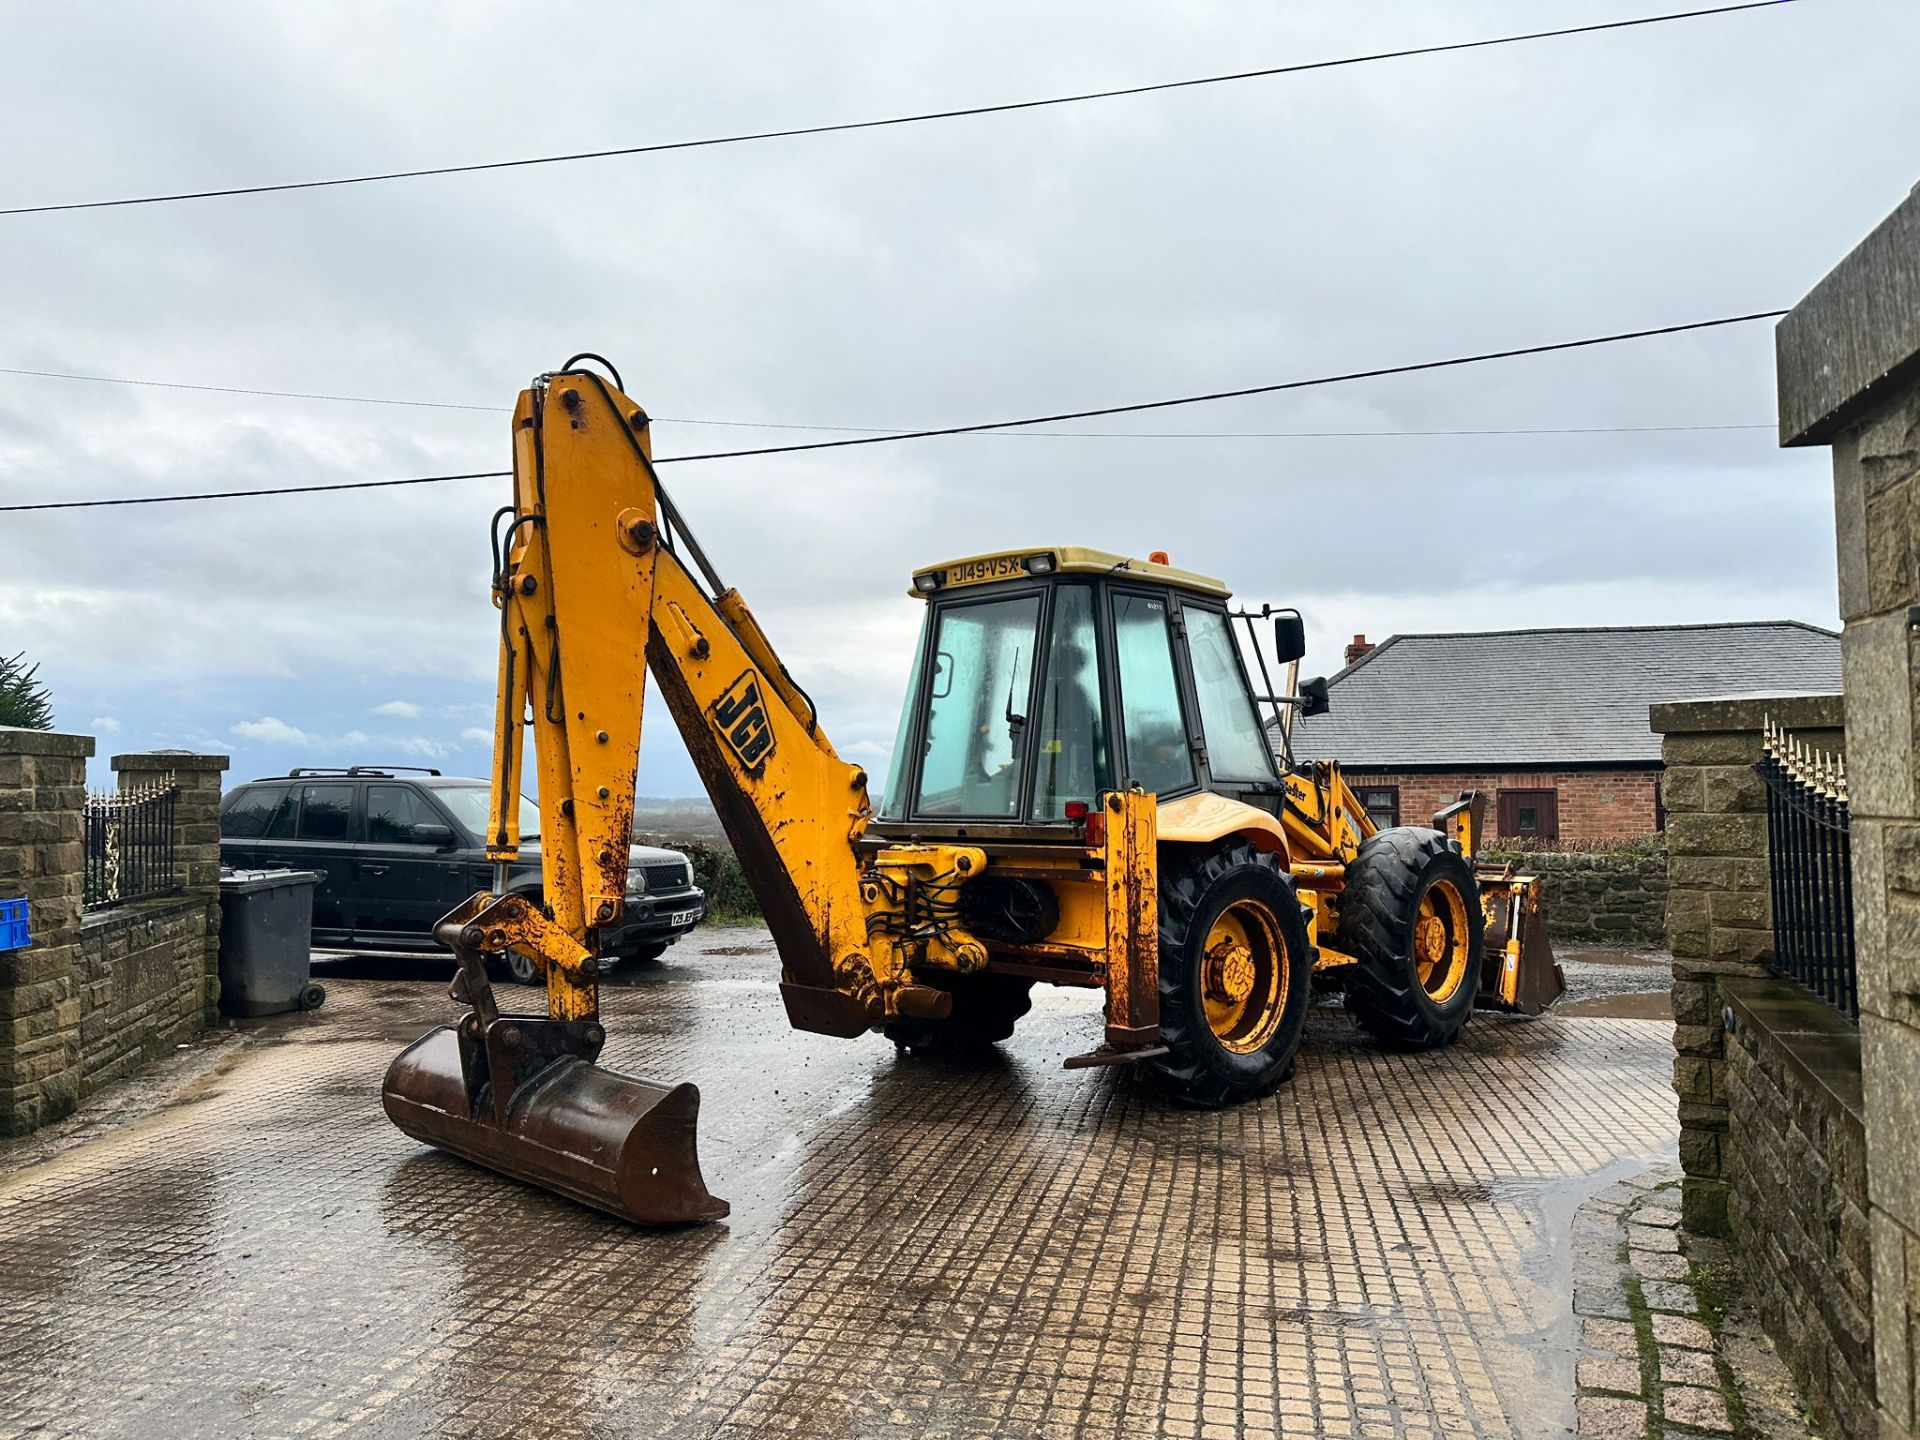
(523, 969)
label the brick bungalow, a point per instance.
(1550, 724)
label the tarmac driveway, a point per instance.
(1007, 1250)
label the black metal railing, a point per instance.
(1810, 860)
(129, 846)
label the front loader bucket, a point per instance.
(1520, 973)
(559, 1121)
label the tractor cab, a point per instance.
(1045, 678)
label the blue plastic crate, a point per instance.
(13, 925)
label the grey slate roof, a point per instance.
(1566, 697)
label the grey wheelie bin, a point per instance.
(266, 934)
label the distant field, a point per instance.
(656, 819)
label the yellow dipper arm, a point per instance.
(594, 576)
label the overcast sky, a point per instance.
(926, 275)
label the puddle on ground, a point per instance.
(1638, 1005)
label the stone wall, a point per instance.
(93, 994)
(141, 981)
(1616, 896)
(1719, 912)
(196, 843)
(1849, 371)
(1796, 1170)
(1592, 804)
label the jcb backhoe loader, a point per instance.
(1083, 793)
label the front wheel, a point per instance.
(1235, 972)
(1410, 914)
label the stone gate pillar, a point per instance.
(1849, 370)
(43, 792)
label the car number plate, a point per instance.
(683, 917)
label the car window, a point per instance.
(469, 806)
(324, 811)
(247, 810)
(286, 812)
(393, 811)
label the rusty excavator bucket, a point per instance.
(521, 1094)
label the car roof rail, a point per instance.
(378, 771)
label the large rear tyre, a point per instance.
(1235, 972)
(1410, 914)
(986, 1007)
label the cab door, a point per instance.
(1235, 751)
(1157, 743)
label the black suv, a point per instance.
(399, 850)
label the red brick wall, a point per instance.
(1594, 804)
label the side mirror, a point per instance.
(435, 835)
(1313, 696)
(1289, 638)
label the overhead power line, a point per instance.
(1003, 108)
(905, 430)
(1274, 389)
(1137, 407)
(244, 390)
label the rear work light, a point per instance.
(1040, 564)
(928, 581)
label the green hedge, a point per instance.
(716, 871)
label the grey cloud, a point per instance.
(938, 274)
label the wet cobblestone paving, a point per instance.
(1382, 1249)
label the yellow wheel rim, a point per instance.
(1244, 976)
(1440, 941)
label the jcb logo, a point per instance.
(742, 719)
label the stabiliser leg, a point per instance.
(521, 1094)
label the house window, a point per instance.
(1529, 815)
(1382, 804)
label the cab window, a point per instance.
(1236, 747)
(977, 700)
(1071, 739)
(1155, 731)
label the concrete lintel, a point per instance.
(15, 741)
(1733, 714)
(1856, 335)
(167, 760)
